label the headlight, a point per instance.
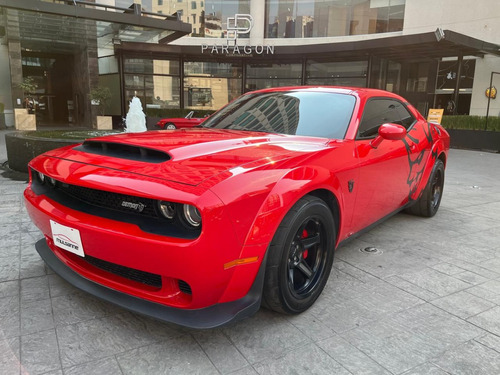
(167, 209)
(192, 215)
(52, 182)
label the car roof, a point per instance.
(358, 91)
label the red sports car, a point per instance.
(200, 226)
(181, 122)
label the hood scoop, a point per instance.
(124, 151)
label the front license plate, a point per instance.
(67, 238)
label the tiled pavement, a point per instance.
(428, 303)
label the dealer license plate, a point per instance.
(67, 238)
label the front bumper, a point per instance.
(208, 317)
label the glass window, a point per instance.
(150, 66)
(209, 18)
(351, 73)
(108, 65)
(385, 74)
(417, 77)
(206, 93)
(155, 82)
(203, 68)
(382, 111)
(162, 92)
(326, 18)
(309, 113)
(210, 85)
(340, 81)
(155, 92)
(447, 74)
(261, 76)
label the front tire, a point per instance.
(300, 257)
(170, 126)
(428, 203)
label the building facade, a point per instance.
(437, 54)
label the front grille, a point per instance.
(115, 201)
(147, 278)
(140, 211)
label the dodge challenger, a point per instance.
(202, 226)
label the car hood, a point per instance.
(189, 156)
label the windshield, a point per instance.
(309, 113)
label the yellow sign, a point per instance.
(435, 115)
(491, 92)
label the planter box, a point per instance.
(474, 139)
(104, 122)
(21, 148)
(24, 120)
(151, 122)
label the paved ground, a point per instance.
(428, 304)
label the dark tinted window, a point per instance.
(381, 111)
(317, 114)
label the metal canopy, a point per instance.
(413, 47)
(439, 44)
(61, 28)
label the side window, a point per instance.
(381, 111)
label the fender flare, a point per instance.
(438, 151)
(285, 193)
(292, 186)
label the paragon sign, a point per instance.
(237, 25)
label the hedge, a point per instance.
(471, 122)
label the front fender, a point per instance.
(274, 205)
(286, 192)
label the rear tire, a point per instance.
(428, 203)
(300, 257)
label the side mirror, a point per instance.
(391, 132)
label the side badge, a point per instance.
(350, 185)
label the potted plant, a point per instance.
(100, 97)
(25, 117)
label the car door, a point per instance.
(382, 186)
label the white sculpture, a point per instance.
(136, 118)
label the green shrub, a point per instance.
(471, 122)
(101, 96)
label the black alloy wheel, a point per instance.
(300, 257)
(437, 189)
(307, 258)
(427, 204)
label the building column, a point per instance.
(257, 9)
(456, 94)
(15, 59)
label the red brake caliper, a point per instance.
(304, 235)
